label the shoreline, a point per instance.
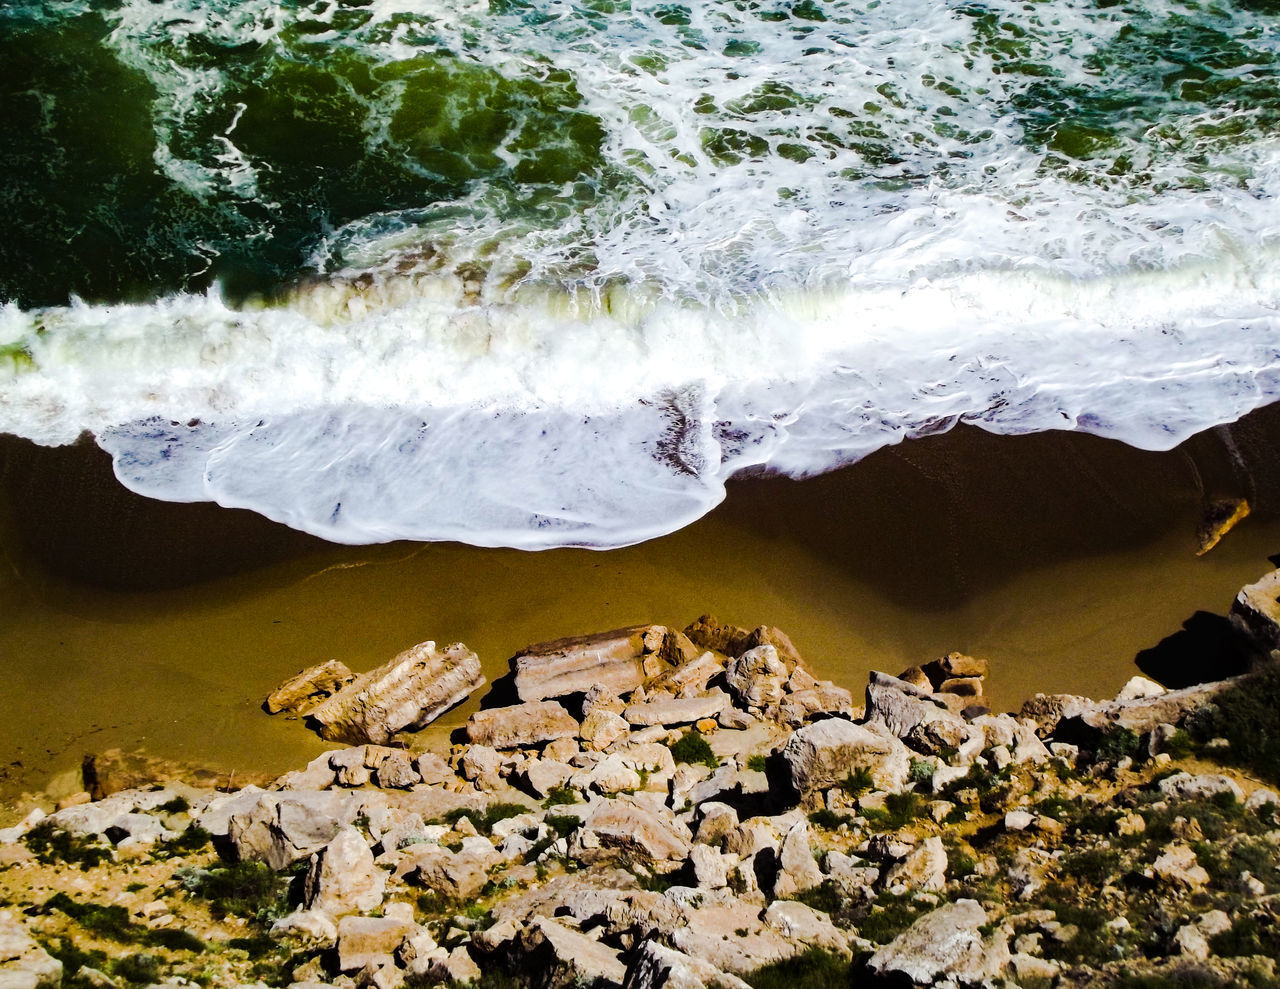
(1034, 551)
(696, 811)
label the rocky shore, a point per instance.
(690, 808)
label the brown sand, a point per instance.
(1058, 557)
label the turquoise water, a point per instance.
(548, 273)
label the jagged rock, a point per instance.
(562, 750)
(730, 938)
(626, 826)
(1086, 724)
(455, 968)
(823, 754)
(715, 821)
(420, 955)
(1027, 746)
(613, 661)
(1256, 611)
(1192, 940)
(521, 725)
(756, 677)
(800, 922)
(852, 874)
(458, 876)
(913, 716)
(480, 762)
(677, 710)
(306, 689)
(397, 772)
(924, 867)
(655, 966)
(1260, 798)
(707, 867)
(708, 632)
(564, 956)
(354, 766)
(1178, 866)
(307, 925)
(945, 946)
(343, 879)
(281, 828)
(678, 649)
(602, 728)
(1184, 786)
(410, 691)
(370, 940)
(797, 868)
(916, 676)
(769, 635)
(23, 963)
(608, 776)
(689, 678)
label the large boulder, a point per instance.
(282, 828)
(410, 691)
(521, 725)
(756, 677)
(690, 677)
(823, 754)
(370, 940)
(631, 828)
(1256, 612)
(655, 966)
(23, 963)
(563, 956)
(619, 661)
(307, 688)
(945, 946)
(708, 632)
(343, 878)
(677, 710)
(908, 711)
(797, 868)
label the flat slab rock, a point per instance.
(619, 661)
(410, 691)
(521, 725)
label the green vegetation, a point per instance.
(1248, 717)
(51, 845)
(757, 763)
(922, 770)
(557, 796)
(484, 820)
(828, 819)
(193, 839)
(177, 805)
(900, 809)
(693, 749)
(246, 889)
(112, 923)
(858, 782)
(1117, 745)
(815, 969)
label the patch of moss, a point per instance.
(484, 820)
(692, 748)
(559, 795)
(828, 819)
(140, 969)
(193, 839)
(245, 889)
(1248, 717)
(176, 805)
(889, 917)
(757, 763)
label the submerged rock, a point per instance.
(410, 691)
(307, 688)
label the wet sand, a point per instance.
(1058, 557)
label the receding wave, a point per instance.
(547, 273)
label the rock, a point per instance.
(521, 726)
(953, 665)
(480, 762)
(1184, 786)
(410, 691)
(544, 775)
(797, 868)
(707, 867)
(1020, 820)
(306, 689)
(768, 635)
(916, 676)
(715, 821)
(1256, 611)
(433, 769)
(655, 966)
(609, 776)
(456, 876)
(563, 956)
(307, 925)
(397, 772)
(756, 677)
(1192, 940)
(455, 968)
(628, 827)
(1178, 866)
(823, 754)
(23, 963)
(1260, 798)
(708, 632)
(614, 661)
(735, 719)
(420, 955)
(852, 874)
(343, 879)
(1138, 687)
(601, 728)
(689, 678)
(730, 938)
(924, 867)
(945, 945)
(677, 710)
(800, 922)
(907, 714)
(282, 828)
(370, 940)
(962, 686)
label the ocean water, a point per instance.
(548, 273)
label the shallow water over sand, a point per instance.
(1057, 557)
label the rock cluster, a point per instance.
(699, 806)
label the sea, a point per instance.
(539, 273)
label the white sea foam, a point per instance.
(686, 313)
